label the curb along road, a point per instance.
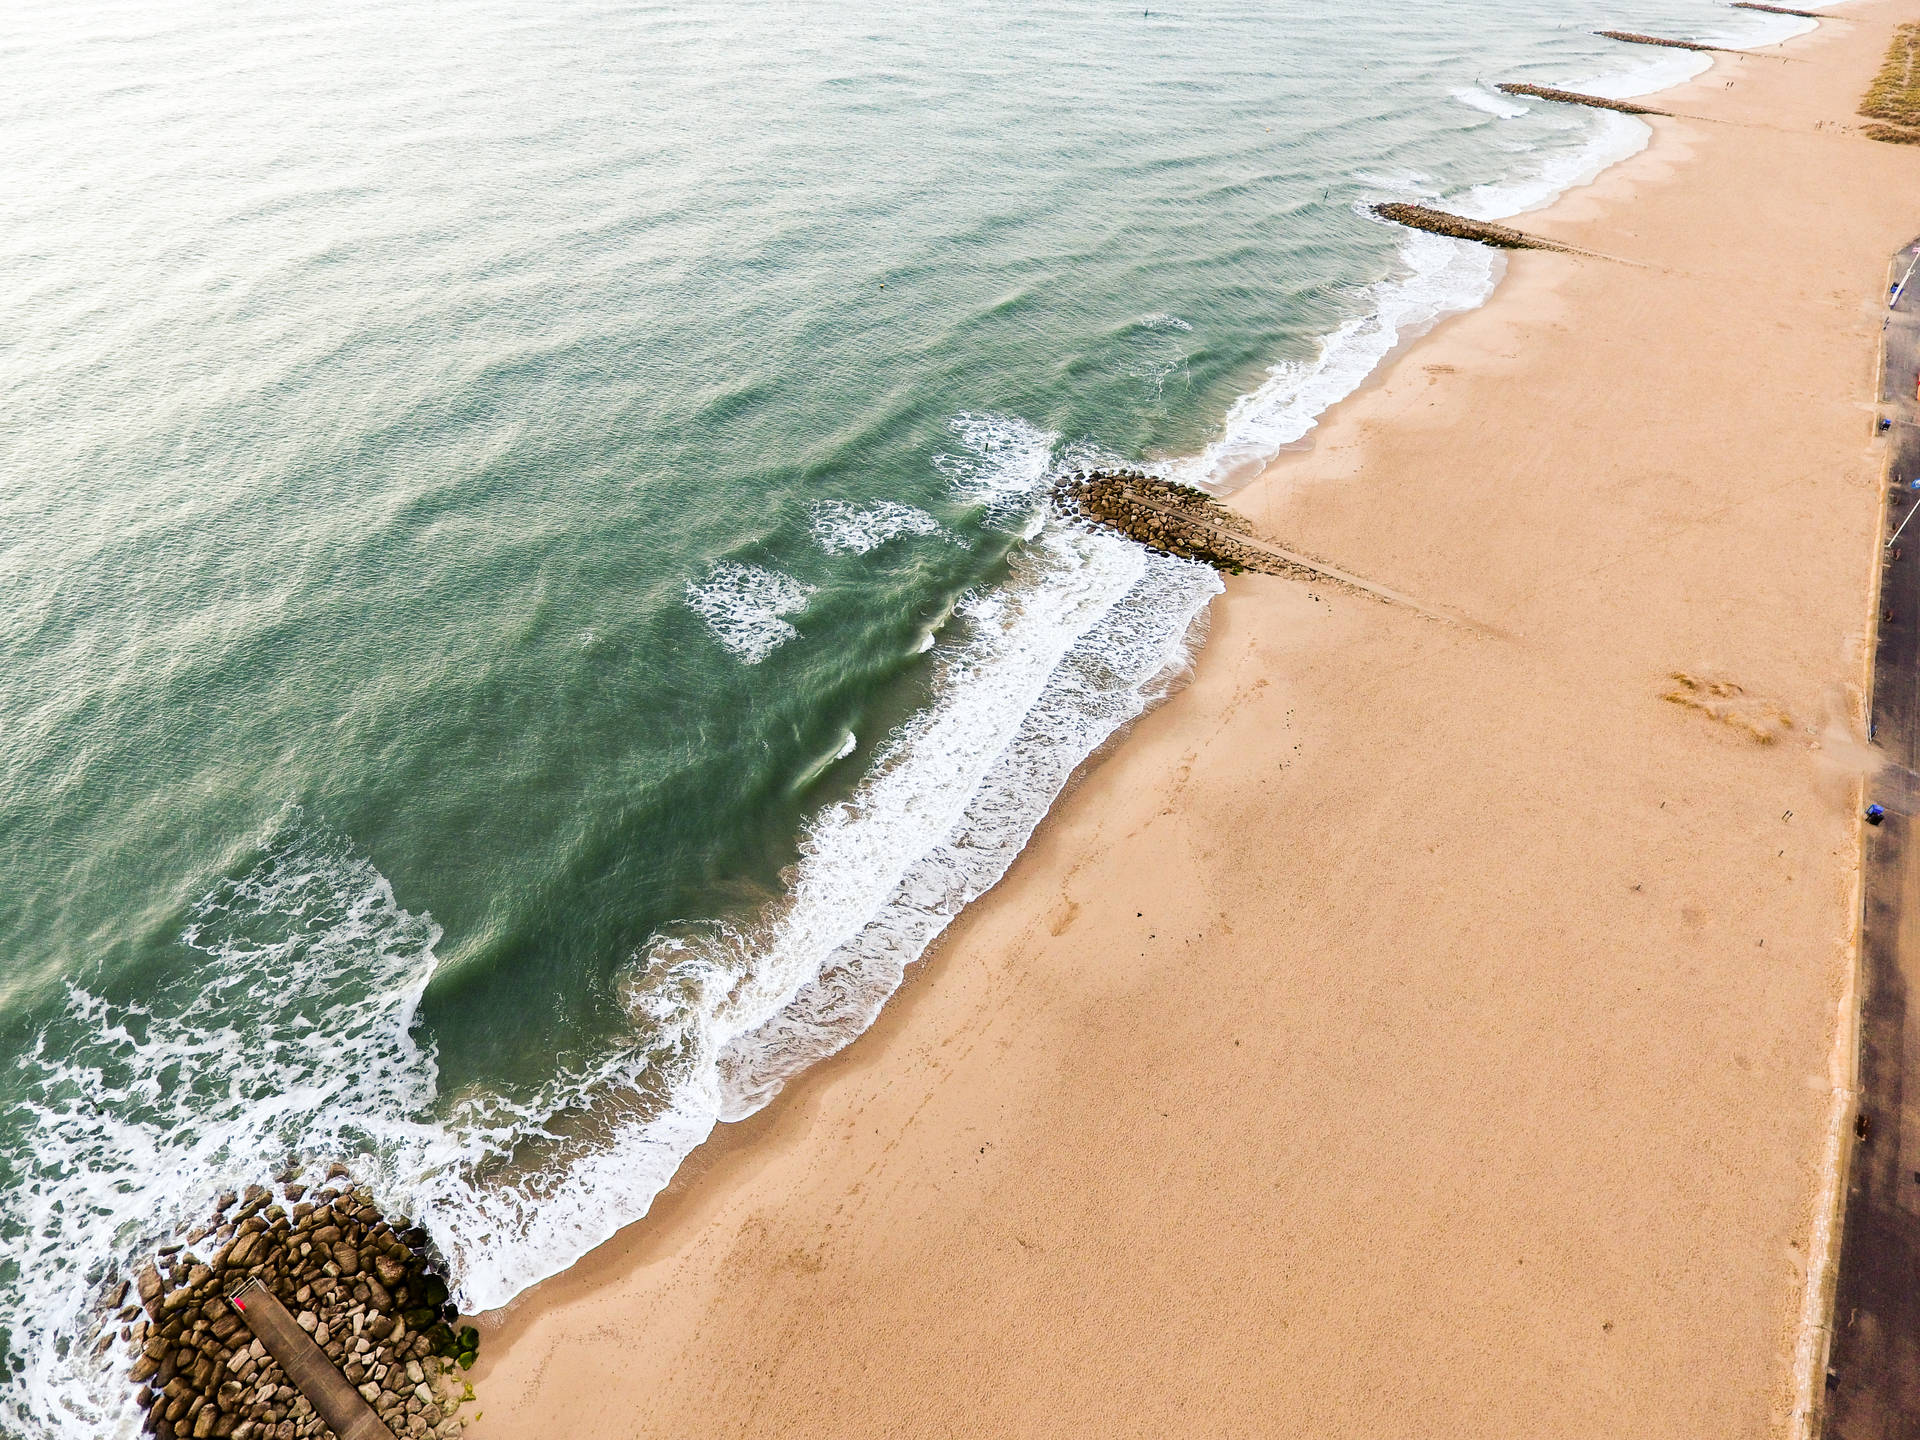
(1872, 1377)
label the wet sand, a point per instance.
(1406, 1031)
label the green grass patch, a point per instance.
(1895, 93)
(1892, 134)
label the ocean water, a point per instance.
(526, 599)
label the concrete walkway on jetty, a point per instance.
(345, 1411)
(1873, 1367)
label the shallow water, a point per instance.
(525, 598)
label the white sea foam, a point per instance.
(1612, 138)
(1438, 276)
(1001, 467)
(1038, 673)
(286, 1036)
(289, 1040)
(743, 606)
(843, 529)
(289, 1037)
(1661, 70)
(1490, 102)
(1755, 29)
(1105, 679)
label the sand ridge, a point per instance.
(1405, 1032)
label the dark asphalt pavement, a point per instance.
(1873, 1367)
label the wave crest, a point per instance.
(743, 606)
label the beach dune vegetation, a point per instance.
(1894, 96)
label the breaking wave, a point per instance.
(287, 1033)
(1033, 676)
(1437, 276)
(1489, 102)
(843, 529)
(743, 606)
(287, 1037)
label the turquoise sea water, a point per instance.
(525, 597)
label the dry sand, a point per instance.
(1405, 1032)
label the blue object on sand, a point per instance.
(1875, 814)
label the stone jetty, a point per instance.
(1439, 222)
(1168, 517)
(1175, 519)
(1786, 10)
(365, 1288)
(1575, 97)
(1631, 38)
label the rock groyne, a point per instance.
(1176, 519)
(1165, 516)
(1631, 38)
(365, 1288)
(1785, 10)
(1439, 222)
(1574, 97)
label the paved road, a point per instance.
(1873, 1369)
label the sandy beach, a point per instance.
(1405, 1030)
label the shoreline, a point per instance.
(708, 1206)
(1594, 162)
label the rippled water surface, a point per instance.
(525, 598)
